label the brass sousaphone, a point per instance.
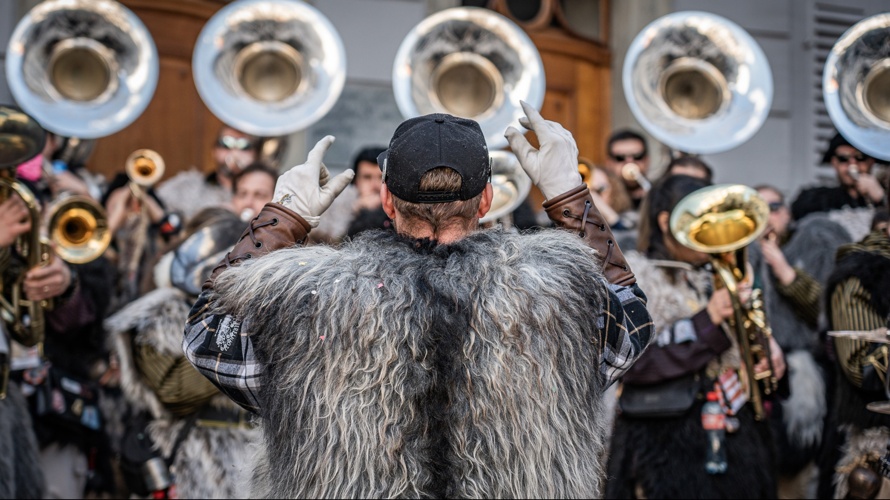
(697, 82)
(269, 67)
(473, 63)
(856, 85)
(82, 68)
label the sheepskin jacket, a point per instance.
(401, 368)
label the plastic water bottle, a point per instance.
(713, 420)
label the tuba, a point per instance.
(722, 220)
(697, 82)
(477, 64)
(82, 68)
(269, 67)
(856, 85)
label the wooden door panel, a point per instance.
(176, 122)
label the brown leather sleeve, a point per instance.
(274, 228)
(576, 211)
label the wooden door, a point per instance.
(176, 123)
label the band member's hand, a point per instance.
(720, 306)
(869, 187)
(67, 182)
(776, 357)
(776, 260)
(119, 206)
(46, 282)
(553, 167)
(308, 189)
(14, 220)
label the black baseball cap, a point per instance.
(438, 140)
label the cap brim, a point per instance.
(381, 159)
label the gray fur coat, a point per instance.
(396, 368)
(211, 462)
(21, 475)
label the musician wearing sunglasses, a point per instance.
(856, 186)
(628, 158)
(794, 260)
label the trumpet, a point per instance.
(144, 168)
(722, 220)
(634, 176)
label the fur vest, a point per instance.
(399, 368)
(211, 462)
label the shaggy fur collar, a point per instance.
(676, 291)
(394, 369)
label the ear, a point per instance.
(485, 203)
(664, 221)
(386, 199)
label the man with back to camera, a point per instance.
(437, 359)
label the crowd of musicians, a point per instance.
(116, 328)
(396, 329)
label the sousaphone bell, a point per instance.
(697, 82)
(82, 68)
(269, 67)
(856, 85)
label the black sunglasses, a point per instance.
(846, 158)
(636, 157)
(775, 206)
(239, 143)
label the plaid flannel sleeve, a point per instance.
(627, 330)
(221, 349)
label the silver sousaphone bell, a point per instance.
(469, 62)
(856, 85)
(697, 82)
(82, 68)
(269, 67)
(477, 64)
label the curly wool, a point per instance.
(395, 369)
(211, 462)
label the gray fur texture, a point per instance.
(188, 193)
(468, 370)
(804, 411)
(211, 462)
(21, 475)
(860, 446)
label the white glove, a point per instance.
(308, 189)
(553, 167)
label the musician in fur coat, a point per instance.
(659, 444)
(793, 260)
(205, 436)
(858, 299)
(437, 360)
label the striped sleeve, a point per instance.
(805, 293)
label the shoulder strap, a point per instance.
(183, 433)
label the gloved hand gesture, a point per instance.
(308, 189)
(554, 166)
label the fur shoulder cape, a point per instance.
(394, 368)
